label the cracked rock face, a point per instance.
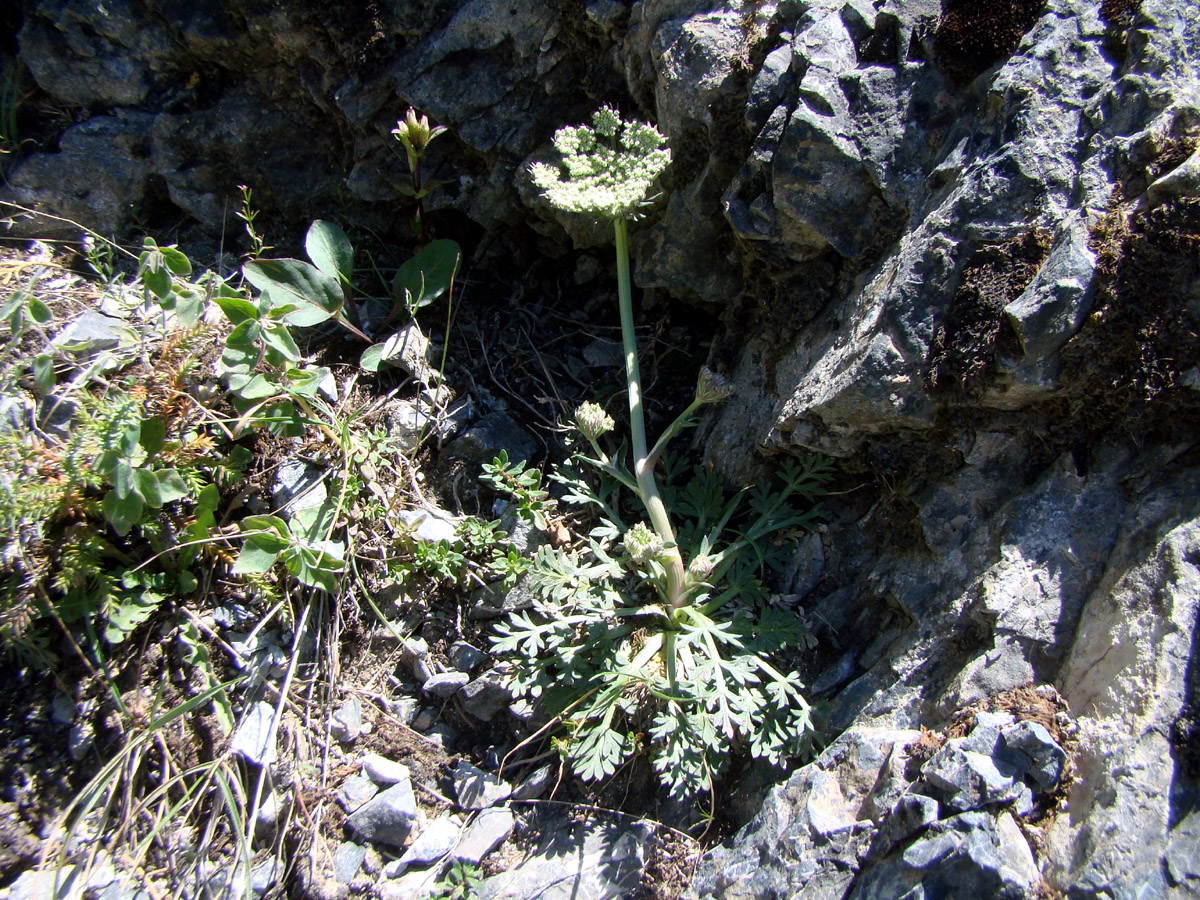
(954, 245)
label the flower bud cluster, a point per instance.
(711, 387)
(606, 168)
(642, 544)
(700, 567)
(415, 134)
(592, 421)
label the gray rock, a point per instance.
(909, 815)
(595, 860)
(407, 423)
(91, 333)
(971, 854)
(443, 736)
(414, 653)
(403, 708)
(445, 685)
(811, 832)
(484, 440)
(16, 412)
(63, 709)
(298, 485)
(486, 696)
(355, 791)
(347, 860)
(346, 723)
(1182, 856)
(967, 780)
(55, 413)
(492, 601)
(431, 845)
(1059, 300)
(34, 885)
(409, 349)
(535, 784)
(264, 875)
(252, 738)
(489, 830)
(425, 719)
(464, 657)
(1047, 758)
(413, 885)
(93, 179)
(430, 525)
(274, 806)
(388, 818)
(477, 789)
(384, 771)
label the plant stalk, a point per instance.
(643, 466)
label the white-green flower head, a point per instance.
(607, 168)
(593, 421)
(642, 544)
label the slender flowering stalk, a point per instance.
(415, 133)
(606, 171)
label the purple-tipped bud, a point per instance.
(711, 387)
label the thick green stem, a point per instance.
(643, 466)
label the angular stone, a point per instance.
(384, 771)
(438, 839)
(91, 333)
(464, 657)
(535, 784)
(445, 685)
(388, 818)
(477, 789)
(298, 485)
(1047, 758)
(346, 723)
(488, 831)
(486, 695)
(347, 860)
(967, 780)
(909, 814)
(252, 739)
(492, 601)
(355, 791)
(484, 440)
(593, 860)
(969, 855)
(430, 526)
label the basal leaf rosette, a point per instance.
(607, 168)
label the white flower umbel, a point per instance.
(606, 168)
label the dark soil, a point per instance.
(973, 35)
(965, 347)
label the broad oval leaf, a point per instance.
(237, 309)
(176, 260)
(329, 248)
(427, 275)
(279, 339)
(371, 358)
(316, 295)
